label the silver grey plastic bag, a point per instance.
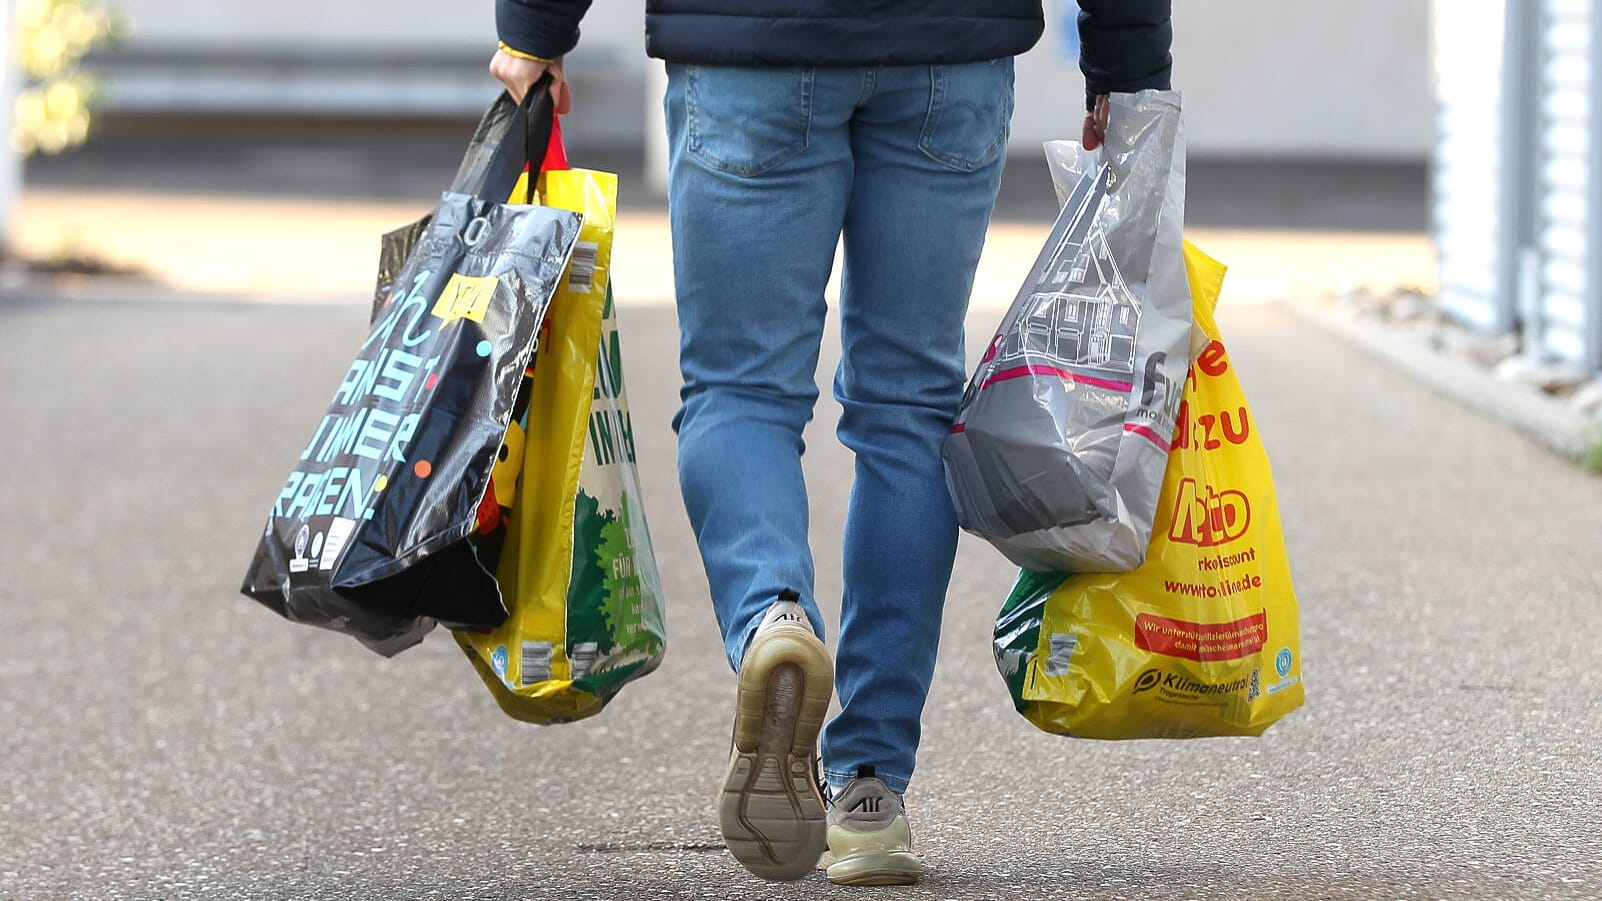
(1058, 451)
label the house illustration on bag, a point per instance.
(1082, 314)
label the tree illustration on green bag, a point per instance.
(624, 600)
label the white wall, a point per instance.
(353, 58)
(1262, 78)
(1267, 78)
(364, 24)
(334, 23)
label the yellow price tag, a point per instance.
(465, 297)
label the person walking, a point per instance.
(793, 125)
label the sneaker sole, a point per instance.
(770, 811)
(892, 868)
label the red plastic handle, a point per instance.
(556, 153)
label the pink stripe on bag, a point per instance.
(1148, 434)
(1019, 372)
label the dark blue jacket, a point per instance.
(1125, 42)
(840, 32)
(1123, 45)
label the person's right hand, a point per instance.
(1095, 130)
(519, 74)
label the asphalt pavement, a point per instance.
(163, 737)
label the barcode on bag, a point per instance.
(536, 663)
(581, 269)
(583, 659)
(1061, 651)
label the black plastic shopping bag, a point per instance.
(368, 535)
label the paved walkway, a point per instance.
(163, 737)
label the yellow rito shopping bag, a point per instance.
(1200, 640)
(575, 567)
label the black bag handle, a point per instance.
(510, 135)
(539, 112)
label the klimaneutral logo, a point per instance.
(1183, 684)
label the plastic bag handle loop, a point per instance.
(540, 114)
(509, 137)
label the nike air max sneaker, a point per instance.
(771, 812)
(869, 836)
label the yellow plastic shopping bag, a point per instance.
(564, 516)
(1201, 639)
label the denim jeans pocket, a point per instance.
(747, 121)
(970, 113)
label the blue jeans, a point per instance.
(769, 167)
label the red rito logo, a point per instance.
(1218, 517)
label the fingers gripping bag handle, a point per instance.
(512, 138)
(540, 111)
(546, 151)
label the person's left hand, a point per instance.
(519, 74)
(1095, 130)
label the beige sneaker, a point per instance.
(869, 835)
(770, 810)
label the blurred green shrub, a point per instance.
(53, 103)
